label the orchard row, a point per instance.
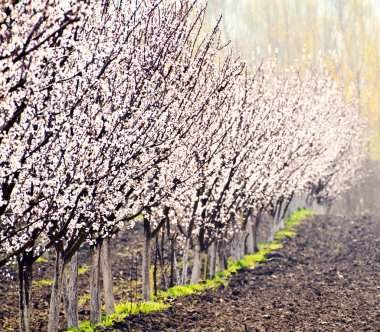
(117, 110)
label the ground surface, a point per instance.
(126, 265)
(327, 279)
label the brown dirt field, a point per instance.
(327, 279)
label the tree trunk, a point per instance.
(25, 274)
(146, 295)
(197, 265)
(272, 229)
(71, 293)
(56, 293)
(235, 247)
(172, 255)
(255, 227)
(241, 244)
(212, 260)
(155, 288)
(205, 266)
(286, 211)
(222, 261)
(250, 238)
(95, 303)
(185, 261)
(280, 215)
(162, 260)
(109, 297)
(177, 276)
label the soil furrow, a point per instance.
(326, 279)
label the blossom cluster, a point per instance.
(111, 110)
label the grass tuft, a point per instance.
(292, 223)
(43, 282)
(83, 269)
(84, 299)
(41, 260)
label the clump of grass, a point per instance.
(270, 246)
(83, 269)
(41, 260)
(43, 282)
(283, 233)
(84, 299)
(292, 223)
(131, 308)
(223, 274)
(216, 282)
(6, 327)
(177, 291)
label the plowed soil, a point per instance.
(326, 279)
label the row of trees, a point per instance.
(116, 109)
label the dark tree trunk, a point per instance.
(162, 260)
(255, 227)
(172, 265)
(222, 260)
(25, 275)
(146, 282)
(146, 295)
(155, 266)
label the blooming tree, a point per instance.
(114, 110)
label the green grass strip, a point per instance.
(160, 301)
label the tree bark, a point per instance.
(185, 261)
(250, 238)
(205, 266)
(222, 261)
(56, 293)
(95, 302)
(162, 260)
(25, 274)
(177, 276)
(280, 215)
(71, 293)
(241, 244)
(155, 270)
(109, 297)
(212, 260)
(235, 247)
(255, 227)
(273, 222)
(146, 294)
(197, 265)
(172, 267)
